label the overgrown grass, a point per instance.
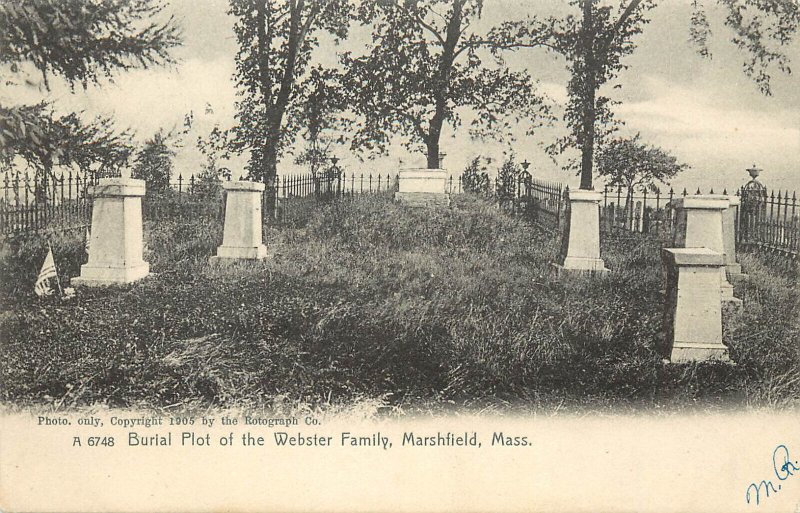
(373, 301)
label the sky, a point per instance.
(704, 111)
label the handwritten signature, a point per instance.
(784, 468)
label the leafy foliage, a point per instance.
(475, 178)
(762, 29)
(506, 181)
(321, 118)
(216, 148)
(153, 162)
(429, 67)
(47, 140)
(79, 41)
(630, 163)
(604, 35)
(275, 43)
(594, 50)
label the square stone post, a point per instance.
(242, 237)
(422, 187)
(583, 234)
(693, 311)
(116, 246)
(729, 236)
(700, 225)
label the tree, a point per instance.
(79, 41)
(428, 65)
(64, 141)
(506, 181)
(595, 48)
(153, 162)
(275, 43)
(97, 144)
(594, 51)
(630, 163)
(321, 118)
(216, 148)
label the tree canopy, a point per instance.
(424, 65)
(276, 39)
(604, 34)
(64, 140)
(79, 41)
(631, 163)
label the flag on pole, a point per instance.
(43, 286)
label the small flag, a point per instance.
(43, 287)
(88, 239)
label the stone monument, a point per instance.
(115, 249)
(693, 311)
(422, 187)
(729, 236)
(699, 221)
(242, 238)
(581, 244)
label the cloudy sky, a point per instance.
(704, 111)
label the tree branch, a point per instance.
(430, 28)
(502, 46)
(621, 22)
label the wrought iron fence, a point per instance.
(764, 220)
(541, 201)
(768, 221)
(626, 212)
(36, 202)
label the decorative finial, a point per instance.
(754, 171)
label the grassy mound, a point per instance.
(404, 307)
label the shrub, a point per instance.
(475, 179)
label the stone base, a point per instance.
(684, 352)
(734, 302)
(574, 265)
(101, 276)
(227, 253)
(423, 199)
(726, 295)
(733, 269)
(726, 290)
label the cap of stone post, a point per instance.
(241, 185)
(703, 202)
(692, 257)
(585, 195)
(118, 187)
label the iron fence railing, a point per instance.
(35, 202)
(768, 221)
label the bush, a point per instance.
(475, 179)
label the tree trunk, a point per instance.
(442, 85)
(276, 104)
(590, 85)
(270, 173)
(433, 152)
